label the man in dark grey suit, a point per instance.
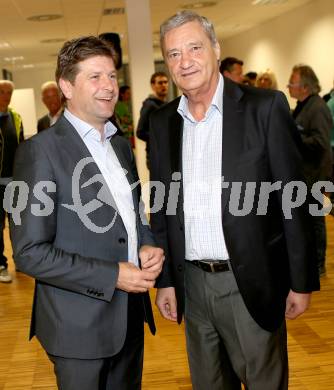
(314, 122)
(235, 272)
(81, 234)
(52, 100)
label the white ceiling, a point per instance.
(84, 17)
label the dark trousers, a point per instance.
(120, 372)
(226, 347)
(319, 225)
(3, 259)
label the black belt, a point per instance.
(211, 265)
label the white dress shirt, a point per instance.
(202, 169)
(102, 152)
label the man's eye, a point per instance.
(173, 55)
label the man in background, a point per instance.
(159, 85)
(250, 78)
(11, 133)
(51, 98)
(231, 68)
(314, 122)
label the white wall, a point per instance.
(304, 35)
(23, 102)
(34, 78)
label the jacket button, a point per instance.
(179, 268)
(121, 240)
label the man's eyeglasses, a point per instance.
(292, 85)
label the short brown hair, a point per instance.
(78, 50)
(227, 64)
(158, 74)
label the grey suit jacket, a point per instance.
(315, 123)
(77, 310)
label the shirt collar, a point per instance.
(217, 101)
(84, 128)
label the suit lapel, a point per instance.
(75, 148)
(233, 134)
(75, 151)
(175, 147)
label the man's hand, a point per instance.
(133, 279)
(166, 302)
(151, 258)
(296, 304)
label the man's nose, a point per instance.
(186, 60)
(109, 83)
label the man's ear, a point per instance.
(217, 50)
(66, 88)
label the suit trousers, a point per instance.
(120, 372)
(226, 347)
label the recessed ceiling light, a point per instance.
(4, 45)
(11, 59)
(27, 66)
(44, 18)
(268, 2)
(53, 40)
(199, 4)
(114, 11)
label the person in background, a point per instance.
(11, 131)
(250, 78)
(231, 68)
(159, 85)
(93, 261)
(52, 100)
(267, 80)
(123, 113)
(314, 122)
(234, 275)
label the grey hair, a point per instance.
(308, 78)
(183, 17)
(49, 84)
(7, 82)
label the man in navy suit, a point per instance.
(82, 236)
(234, 273)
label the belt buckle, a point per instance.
(212, 266)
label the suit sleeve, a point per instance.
(285, 163)
(33, 236)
